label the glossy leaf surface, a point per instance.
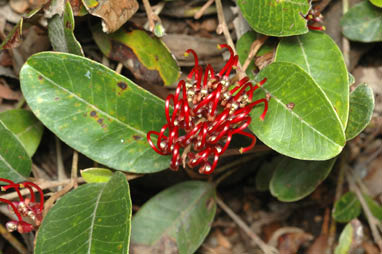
(15, 163)
(301, 122)
(26, 127)
(94, 218)
(363, 22)
(321, 58)
(361, 110)
(265, 173)
(347, 208)
(93, 109)
(96, 175)
(296, 179)
(143, 54)
(61, 30)
(179, 217)
(276, 18)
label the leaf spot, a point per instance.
(137, 137)
(122, 85)
(93, 113)
(290, 105)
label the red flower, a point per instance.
(207, 111)
(27, 207)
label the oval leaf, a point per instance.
(374, 207)
(15, 163)
(179, 217)
(377, 3)
(93, 109)
(94, 218)
(96, 175)
(296, 179)
(347, 208)
(26, 127)
(145, 55)
(363, 22)
(361, 110)
(61, 30)
(300, 123)
(320, 57)
(276, 18)
(265, 173)
(349, 238)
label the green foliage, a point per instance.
(301, 122)
(348, 238)
(361, 110)
(377, 3)
(25, 126)
(347, 208)
(321, 58)
(276, 18)
(96, 175)
(296, 179)
(363, 22)
(94, 218)
(95, 110)
(179, 217)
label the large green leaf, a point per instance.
(274, 17)
(301, 122)
(15, 163)
(361, 110)
(296, 179)
(94, 218)
(93, 109)
(145, 55)
(320, 57)
(347, 208)
(61, 30)
(363, 22)
(26, 127)
(265, 173)
(377, 3)
(179, 217)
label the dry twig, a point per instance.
(263, 246)
(222, 27)
(12, 240)
(151, 16)
(201, 11)
(256, 45)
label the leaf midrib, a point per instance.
(88, 103)
(300, 118)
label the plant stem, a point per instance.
(256, 45)
(12, 240)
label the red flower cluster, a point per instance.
(315, 20)
(27, 207)
(207, 111)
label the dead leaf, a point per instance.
(114, 13)
(8, 93)
(370, 248)
(373, 178)
(165, 245)
(7, 13)
(291, 243)
(13, 39)
(78, 7)
(55, 7)
(320, 245)
(19, 6)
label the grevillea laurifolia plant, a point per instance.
(291, 106)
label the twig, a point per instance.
(345, 41)
(256, 45)
(201, 11)
(43, 185)
(263, 246)
(223, 25)
(373, 222)
(256, 149)
(282, 231)
(49, 203)
(74, 173)
(243, 159)
(61, 175)
(20, 103)
(119, 68)
(151, 16)
(12, 240)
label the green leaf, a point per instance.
(61, 35)
(301, 122)
(347, 208)
(276, 18)
(349, 238)
(296, 179)
(15, 163)
(320, 57)
(243, 47)
(361, 110)
(26, 127)
(179, 217)
(374, 207)
(145, 55)
(377, 3)
(351, 79)
(96, 175)
(363, 22)
(94, 218)
(265, 173)
(96, 111)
